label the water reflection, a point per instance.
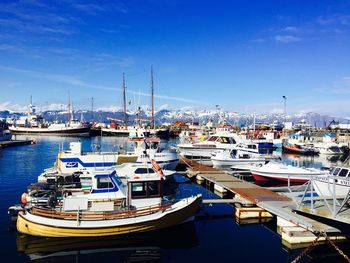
(142, 247)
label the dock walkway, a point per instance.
(275, 203)
(14, 143)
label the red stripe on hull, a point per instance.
(264, 179)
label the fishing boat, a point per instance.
(330, 146)
(83, 176)
(145, 149)
(109, 208)
(334, 183)
(33, 123)
(204, 149)
(305, 149)
(275, 171)
(152, 148)
(236, 158)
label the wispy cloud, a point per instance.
(335, 19)
(71, 80)
(95, 7)
(287, 38)
(292, 29)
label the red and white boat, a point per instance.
(274, 171)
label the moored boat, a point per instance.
(236, 158)
(109, 208)
(300, 149)
(334, 183)
(274, 171)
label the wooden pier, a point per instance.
(294, 228)
(13, 143)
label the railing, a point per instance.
(335, 203)
(105, 215)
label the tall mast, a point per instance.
(124, 100)
(69, 110)
(152, 96)
(92, 109)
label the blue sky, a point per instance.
(241, 55)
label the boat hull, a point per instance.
(236, 162)
(263, 178)
(69, 131)
(325, 187)
(35, 225)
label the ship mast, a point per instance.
(152, 96)
(124, 101)
(69, 110)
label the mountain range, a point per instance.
(199, 116)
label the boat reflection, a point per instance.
(142, 247)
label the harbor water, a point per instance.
(214, 235)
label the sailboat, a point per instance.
(125, 130)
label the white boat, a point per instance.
(274, 171)
(151, 148)
(236, 158)
(33, 123)
(145, 150)
(5, 133)
(205, 149)
(83, 176)
(329, 145)
(109, 208)
(334, 183)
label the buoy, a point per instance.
(24, 198)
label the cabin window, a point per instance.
(138, 190)
(144, 171)
(145, 189)
(104, 182)
(153, 189)
(343, 172)
(336, 171)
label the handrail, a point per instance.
(89, 215)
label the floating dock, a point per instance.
(253, 201)
(13, 143)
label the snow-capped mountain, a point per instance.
(200, 116)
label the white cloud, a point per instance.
(287, 38)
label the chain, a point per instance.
(337, 248)
(306, 250)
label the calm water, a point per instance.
(213, 237)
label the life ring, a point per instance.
(24, 198)
(157, 167)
